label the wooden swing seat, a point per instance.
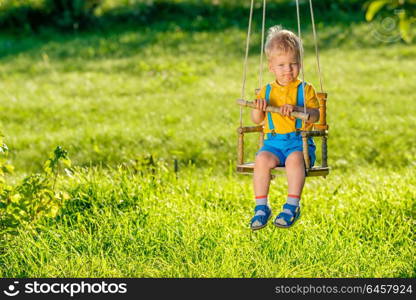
(248, 168)
(320, 130)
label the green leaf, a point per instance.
(8, 168)
(47, 167)
(374, 8)
(404, 26)
(15, 198)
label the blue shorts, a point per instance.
(282, 145)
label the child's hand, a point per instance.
(261, 104)
(286, 109)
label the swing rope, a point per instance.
(262, 44)
(301, 58)
(245, 59)
(315, 40)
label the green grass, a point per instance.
(114, 97)
(122, 224)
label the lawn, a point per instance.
(119, 99)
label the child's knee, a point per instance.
(265, 161)
(295, 159)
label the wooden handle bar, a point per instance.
(275, 109)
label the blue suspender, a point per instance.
(299, 102)
(269, 115)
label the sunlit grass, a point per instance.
(196, 225)
(110, 98)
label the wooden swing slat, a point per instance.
(247, 129)
(324, 152)
(305, 150)
(320, 127)
(248, 168)
(314, 133)
(322, 97)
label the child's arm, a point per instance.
(257, 114)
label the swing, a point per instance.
(319, 129)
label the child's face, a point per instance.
(285, 66)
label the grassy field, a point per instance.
(114, 98)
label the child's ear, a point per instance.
(270, 67)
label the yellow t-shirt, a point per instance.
(280, 95)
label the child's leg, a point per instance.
(295, 171)
(261, 181)
(265, 161)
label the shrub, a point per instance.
(64, 14)
(72, 13)
(26, 204)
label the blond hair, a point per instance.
(282, 40)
